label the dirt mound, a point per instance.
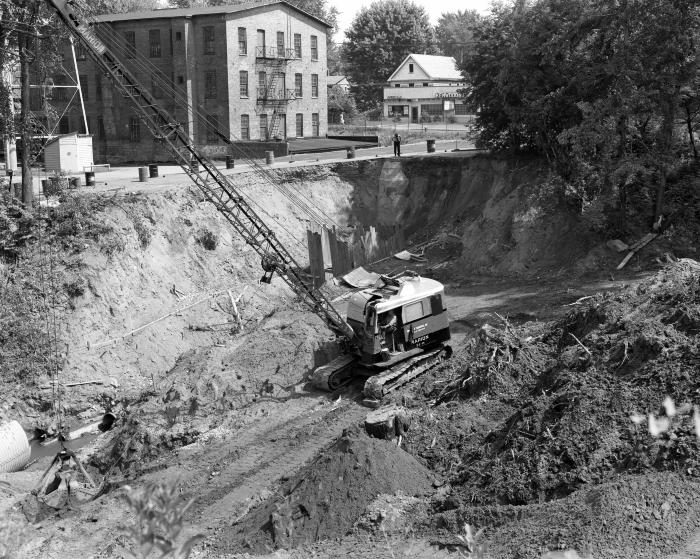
(328, 496)
(574, 386)
(559, 400)
(646, 516)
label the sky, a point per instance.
(434, 8)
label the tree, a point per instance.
(121, 6)
(595, 86)
(340, 102)
(380, 37)
(455, 33)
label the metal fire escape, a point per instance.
(272, 94)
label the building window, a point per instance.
(397, 85)
(210, 84)
(410, 68)
(154, 43)
(244, 83)
(245, 127)
(280, 44)
(84, 87)
(156, 89)
(59, 93)
(261, 43)
(262, 85)
(411, 85)
(242, 41)
(80, 52)
(297, 45)
(263, 127)
(209, 39)
(298, 91)
(135, 129)
(314, 125)
(178, 35)
(212, 127)
(314, 47)
(130, 40)
(300, 125)
(100, 127)
(314, 85)
(98, 87)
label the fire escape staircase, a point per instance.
(273, 96)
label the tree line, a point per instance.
(606, 91)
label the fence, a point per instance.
(331, 256)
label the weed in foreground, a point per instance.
(160, 511)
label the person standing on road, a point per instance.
(397, 145)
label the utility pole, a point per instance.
(77, 83)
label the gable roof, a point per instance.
(335, 80)
(200, 11)
(435, 67)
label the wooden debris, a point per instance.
(636, 247)
(579, 343)
(579, 301)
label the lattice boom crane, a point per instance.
(396, 331)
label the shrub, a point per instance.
(207, 239)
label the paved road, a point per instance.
(171, 175)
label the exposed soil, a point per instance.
(554, 443)
(526, 432)
(326, 497)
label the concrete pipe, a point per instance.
(14, 447)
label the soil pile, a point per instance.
(566, 394)
(327, 497)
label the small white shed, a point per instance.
(69, 153)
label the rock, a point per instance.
(617, 245)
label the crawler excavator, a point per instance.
(393, 332)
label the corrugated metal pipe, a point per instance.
(14, 447)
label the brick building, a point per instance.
(257, 70)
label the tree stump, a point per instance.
(388, 422)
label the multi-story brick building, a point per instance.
(256, 70)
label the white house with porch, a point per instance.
(426, 88)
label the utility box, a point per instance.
(69, 153)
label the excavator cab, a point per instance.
(398, 320)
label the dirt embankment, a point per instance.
(507, 212)
(556, 460)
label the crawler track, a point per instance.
(381, 384)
